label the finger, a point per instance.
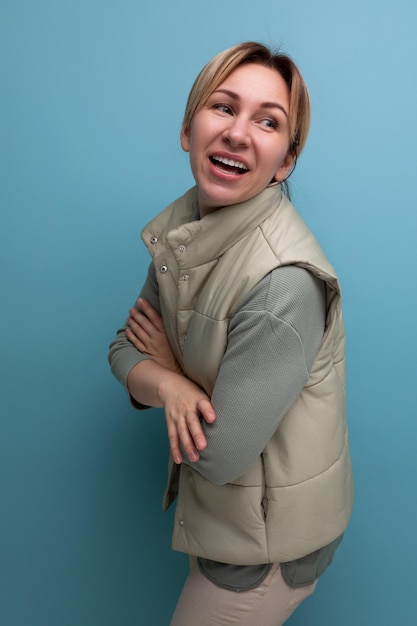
(186, 441)
(138, 320)
(137, 335)
(174, 443)
(152, 314)
(134, 340)
(206, 410)
(196, 431)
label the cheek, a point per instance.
(284, 159)
(199, 144)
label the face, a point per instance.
(239, 141)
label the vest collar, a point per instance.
(209, 237)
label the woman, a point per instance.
(238, 335)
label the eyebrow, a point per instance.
(263, 105)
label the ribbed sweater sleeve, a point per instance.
(273, 339)
(122, 354)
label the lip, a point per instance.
(231, 157)
(221, 174)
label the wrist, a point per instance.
(165, 385)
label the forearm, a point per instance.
(123, 355)
(142, 360)
(148, 382)
(252, 394)
(272, 343)
(185, 405)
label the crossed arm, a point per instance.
(159, 382)
(273, 339)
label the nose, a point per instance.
(237, 132)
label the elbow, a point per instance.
(214, 479)
(215, 474)
(220, 466)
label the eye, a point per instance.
(223, 108)
(269, 122)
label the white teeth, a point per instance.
(230, 162)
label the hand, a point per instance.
(185, 405)
(146, 332)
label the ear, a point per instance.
(185, 139)
(286, 166)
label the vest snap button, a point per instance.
(186, 277)
(181, 522)
(154, 239)
(181, 248)
(163, 269)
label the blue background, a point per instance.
(92, 96)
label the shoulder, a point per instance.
(285, 289)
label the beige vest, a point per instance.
(298, 496)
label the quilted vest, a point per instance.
(298, 495)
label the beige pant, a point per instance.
(202, 603)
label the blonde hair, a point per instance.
(223, 64)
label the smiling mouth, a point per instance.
(229, 165)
